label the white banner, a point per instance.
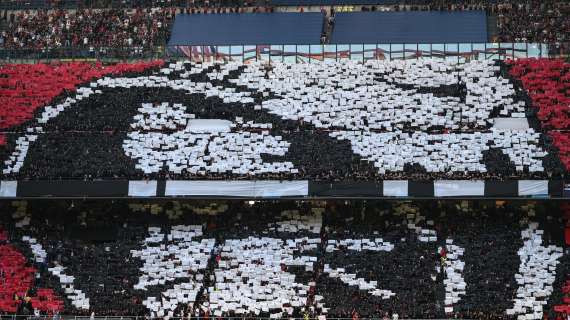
(395, 188)
(142, 188)
(251, 189)
(454, 188)
(8, 188)
(281, 188)
(533, 187)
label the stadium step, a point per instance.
(491, 27)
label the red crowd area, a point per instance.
(547, 82)
(564, 308)
(26, 87)
(17, 277)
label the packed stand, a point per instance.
(522, 21)
(328, 121)
(562, 297)
(101, 4)
(294, 259)
(19, 290)
(26, 88)
(89, 28)
(533, 21)
(548, 85)
(529, 21)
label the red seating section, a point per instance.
(548, 84)
(26, 87)
(562, 142)
(17, 278)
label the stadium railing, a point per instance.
(459, 52)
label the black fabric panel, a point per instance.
(106, 233)
(420, 189)
(566, 190)
(502, 188)
(160, 188)
(555, 188)
(73, 188)
(346, 189)
(318, 188)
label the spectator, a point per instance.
(534, 21)
(102, 143)
(95, 28)
(106, 270)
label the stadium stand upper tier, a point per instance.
(420, 119)
(250, 29)
(431, 22)
(481, 260)
(88, 28)
(533, 21)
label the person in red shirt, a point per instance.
(355, 315)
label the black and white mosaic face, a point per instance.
(324, 120)
(276, 261)
(168, 135)
(385, 110)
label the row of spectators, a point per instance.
(101, 135)
(97, 243)
(66, 4)
(88, 28)
(105, 129)
(518, 21)
(55, 4)
(548, 83)
(532, 21)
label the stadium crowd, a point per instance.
(529, 21)
(525, 21)
(257, 134)
(547, 82)
(533, 21)
(105, 4)
(89, 28)
(395, 268)
(107, 143)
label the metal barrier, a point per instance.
(81, 54)
(459, 52)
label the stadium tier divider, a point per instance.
(260, 189)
